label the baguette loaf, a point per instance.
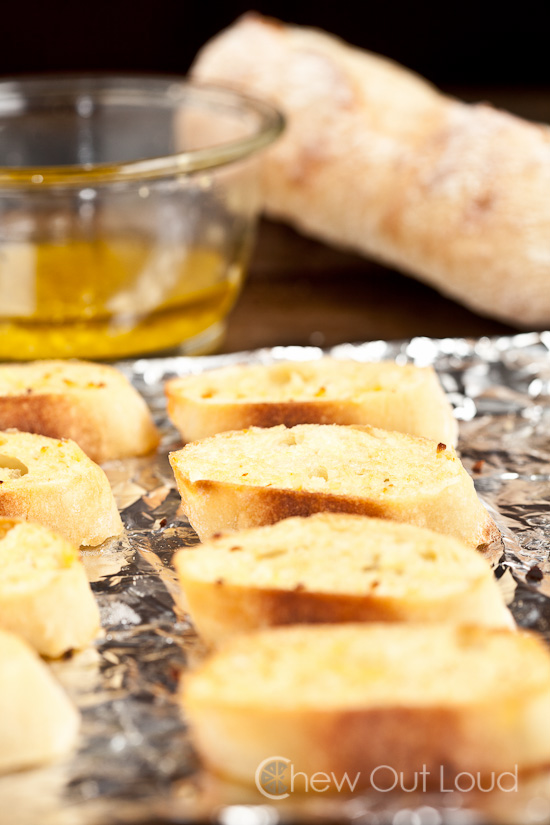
(354, 697)
(374, 158)
(55, 484)
(259, 476)
(332, 567)
(37, 723)
(45, 596)
(329, 391)
(92, 404)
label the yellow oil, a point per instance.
(109, 298)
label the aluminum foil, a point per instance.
(135, 763)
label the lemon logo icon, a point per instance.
(272, 777)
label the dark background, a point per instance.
(299, 291)
(453, 43)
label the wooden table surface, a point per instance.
(302, 292)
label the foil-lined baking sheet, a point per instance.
(135, 763)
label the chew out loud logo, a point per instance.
(277, 778)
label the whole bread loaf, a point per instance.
(45, 596)
(353, 697)
(54, 483)
(332, 567)
(374, 158)
(400, 397)
(248, 478)
(92, 404)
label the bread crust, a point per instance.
(92, 404)
(215, 504)
(334, 568)
(375, 159)
(38, 722)
(63, 489)
(416, 404)
(488, 729)
(443, 741)
(57, 619)
(55, 610)
(219, 609)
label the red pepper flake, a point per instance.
(478, 466)
(174, 673)
(219, 582)
(233, 549)
(534, 574)
(441, 447)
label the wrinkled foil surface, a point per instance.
(135, 763)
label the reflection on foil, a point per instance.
(135, 763)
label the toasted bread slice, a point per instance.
(38, 723)
(55, 484)
(333, 567)
(45, 596)
(93, 404)
(329, 391)
(258, 476)
(353, 697)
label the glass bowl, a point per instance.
(127, 213)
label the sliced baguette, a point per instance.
(38, 723)
(55, 484)
(329, 391)
(259, 476)
(332, 567)
(351, 698)
(45, 596)
(92, 404)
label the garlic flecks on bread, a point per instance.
(334, 567)
(54, 483)
(393, 396)
(259, 476)
(45, 596)
(351, 697)
(92, 404)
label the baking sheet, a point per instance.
(135, 763)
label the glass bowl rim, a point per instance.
(270, 125)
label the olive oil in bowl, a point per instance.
(128, 207)
(111, 298)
